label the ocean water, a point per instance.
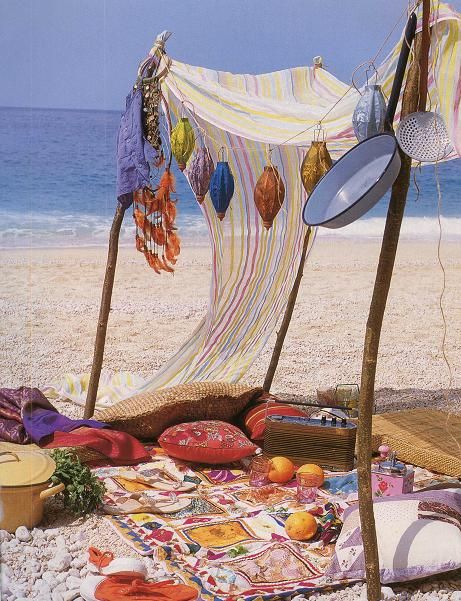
(57, 170)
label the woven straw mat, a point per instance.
(147, 415)
(425, 437)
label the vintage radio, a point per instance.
(326, 441)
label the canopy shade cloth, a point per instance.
(253, 269)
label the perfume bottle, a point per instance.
(391, 477)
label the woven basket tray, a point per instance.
(424, 437)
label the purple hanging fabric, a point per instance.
(26, 415)
(133, 151)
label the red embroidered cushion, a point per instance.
(210, 442)
(255, 418)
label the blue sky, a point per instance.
(84, 53)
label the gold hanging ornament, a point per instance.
(316, 162)
(182, 142)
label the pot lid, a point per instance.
(25, 468)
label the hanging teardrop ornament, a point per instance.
(199, 173)
(221, 187)
(269, 194)
(316, 162)
(369, 115)
(182, 142)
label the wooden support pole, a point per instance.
(372, 335)
(288, 314)
(104, 312)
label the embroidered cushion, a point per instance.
(210, 442)
(148, 414)
(413, 531)
(255, 418)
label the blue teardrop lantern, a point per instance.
(370, 113)
(221, 188)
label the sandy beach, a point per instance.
(49, 304)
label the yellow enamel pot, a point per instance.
(24, 486)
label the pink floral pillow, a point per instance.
(210, 442)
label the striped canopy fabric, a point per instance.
(253, 269)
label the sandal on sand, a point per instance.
(123, 588)
(105, 564)
(139, 503)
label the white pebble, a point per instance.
(5, 536)
(73, 582)
(57, 596)
(61, 577)
(50, 578)
(22, 534)
(61, 587)
(455, 596)
(78, 562)
(71, 595)
(52, 533)
(37, 533)
(5, 583)
(60, 542)
(386, 593)
(42, 587)
(59, 563)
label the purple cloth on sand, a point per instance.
(26, 415)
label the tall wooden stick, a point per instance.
(287, 316)
(104, 311)
(373, 331)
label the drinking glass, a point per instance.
(347, 395)
(259, 471)
(306, 487)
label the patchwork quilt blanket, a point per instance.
(222, 536)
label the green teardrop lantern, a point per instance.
(182, 142)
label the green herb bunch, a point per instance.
(84, 492)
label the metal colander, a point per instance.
(423, 136)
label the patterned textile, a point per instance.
(213, 442)
(229, 539)
(26, 415)
(412, 532)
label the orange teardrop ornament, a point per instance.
(269, 195)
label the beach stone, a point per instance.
(50, 578)
(11, 545)
(57, 596)
(5, 536)
(456, 596)
(73, 582)
(386, 593)
(60, 541)
(5, 583)
(71, 595)
(52, 533)
(22, 534)
(78, 563)
(59, 563)
(61, 587)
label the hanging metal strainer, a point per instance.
(424, 137)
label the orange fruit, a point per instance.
(311, 468)
(281, 470)
(301, 525)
